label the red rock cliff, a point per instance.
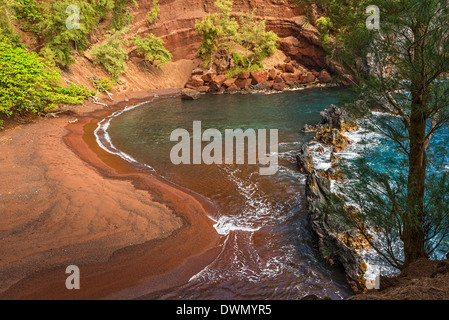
(176, 25)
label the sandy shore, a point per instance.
(64, 201)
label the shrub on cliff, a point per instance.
(111, 55)
(60, 41)
(153, 49)
(258, 42)
(220, 32)
(217, 30)
(6, 23)
(30, 13)
(121, 16)
(153, 14)
(27, 83)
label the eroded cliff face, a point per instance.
(176, 26)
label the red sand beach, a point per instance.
(65, 201)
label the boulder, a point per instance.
(279, 86)
(290, 77)
(203, 89)
(190, 94)
(333, 118)
(243, 83)
(232, 88)
(195, 81)
(324, 76)
(258, 76)
(304, 160)
(271, 74)
(309, 78)
(217, 81)
(281, 67)
(264, 85)
(289, 68)
(229, 82)
(208, 76)
(197, 71)
(278, 79)
(244, 75)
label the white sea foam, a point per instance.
(257, 209)
(361, 139)
(104, 140)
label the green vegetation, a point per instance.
(343, 30)
(111, 55)
(29, 12)
(30, 77)
(153, 14)
(153, 49)
(235, 71)
(62, 41)
(48, 21)
(257, 42)
(102, 84)
(220, 33)
(121, 16)
(6, 18)
(27, 83)
(325, 25)
(217, 31)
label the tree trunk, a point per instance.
(413, 234)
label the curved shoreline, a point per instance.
(136, 270)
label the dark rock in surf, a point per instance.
(304, 161)
(333, 118)
(326, 227)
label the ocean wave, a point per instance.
(258, 209)
(103, 138)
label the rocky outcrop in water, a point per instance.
(335, 241)
(333, 118)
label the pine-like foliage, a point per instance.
(27, 83)
(153, 49)
(111, 55)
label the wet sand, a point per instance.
(65, 201)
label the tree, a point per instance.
(217, 30)
(121, 16)
(29, 84)
(343, 31)
(153, 49)
(153, 14)
(60, 41)
(111, 55)
(408, 61)
(252, 35)
(220, 32)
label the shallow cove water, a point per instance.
(267, 244)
